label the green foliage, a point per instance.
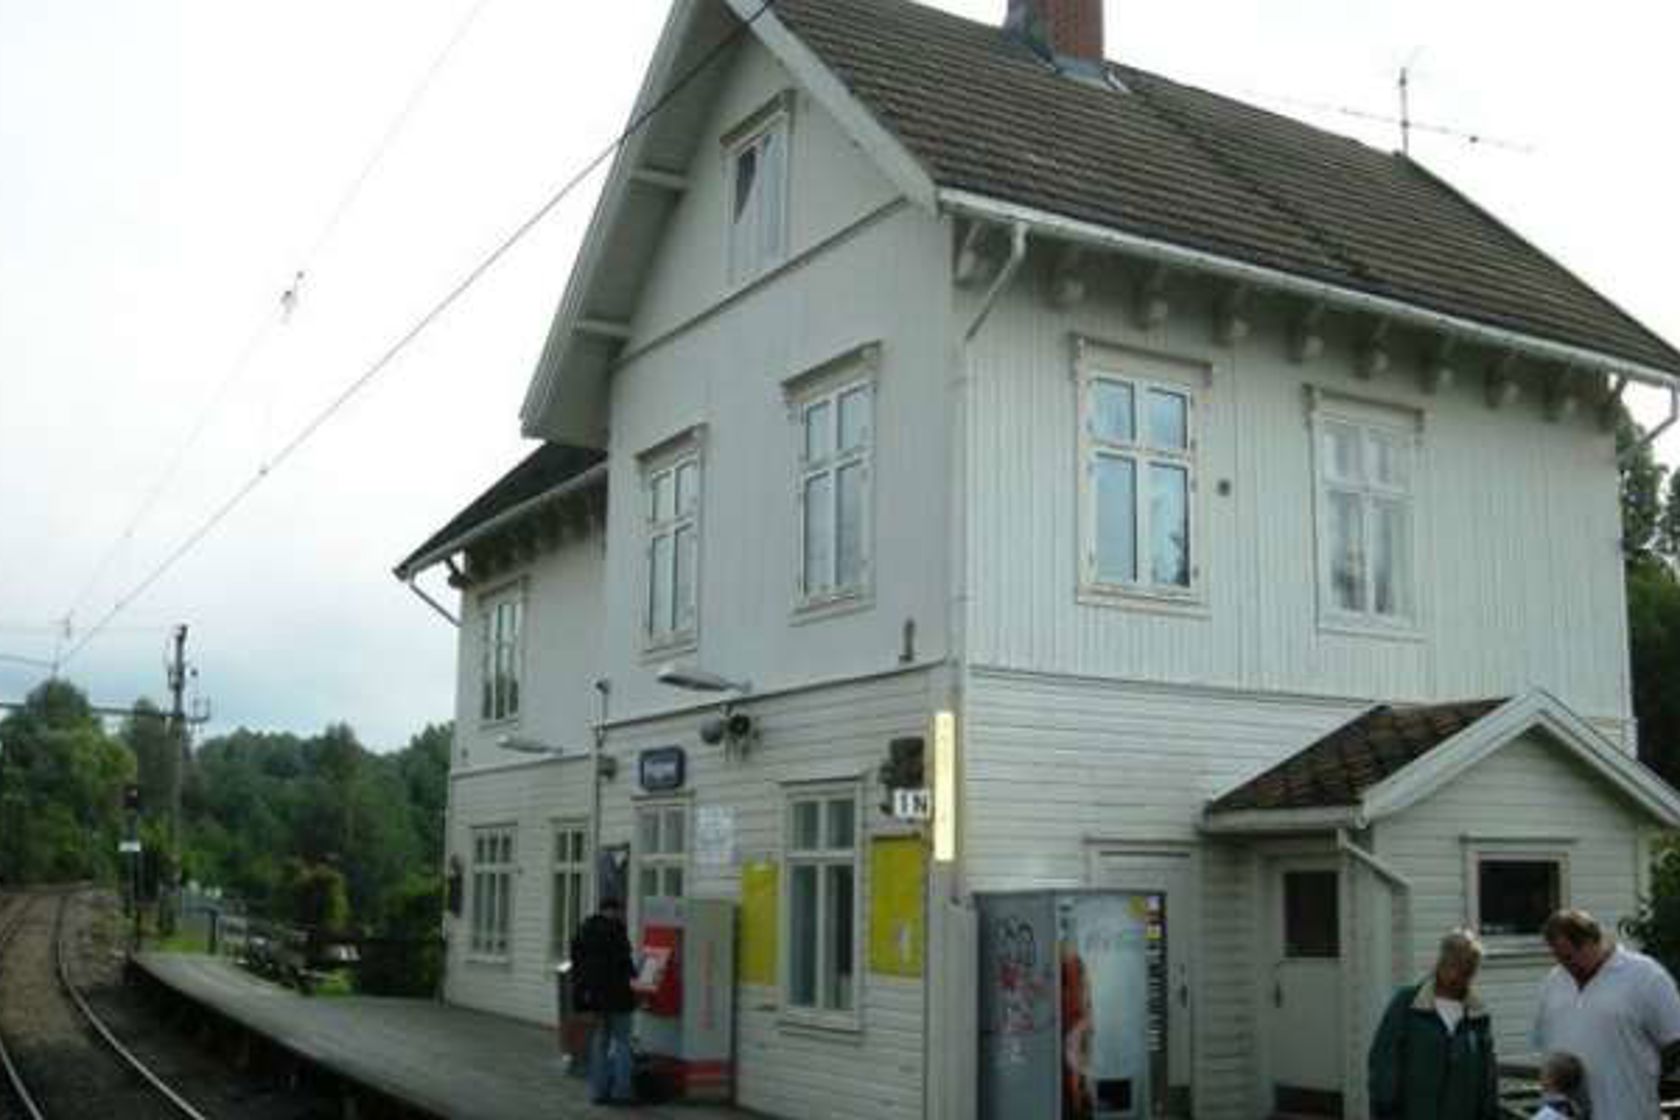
(409, 959)
(61, 780)
(1653, 596)
(1657, 925)
(314, 895)
(1641, 491)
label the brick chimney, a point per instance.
(1070, 29)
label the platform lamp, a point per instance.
(696, 679)
(519, 744)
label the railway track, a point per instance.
(59, 1056)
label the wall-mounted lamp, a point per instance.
(699, 680)
(519, 744)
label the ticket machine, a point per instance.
(685, 993)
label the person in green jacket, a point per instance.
(1433, 1056)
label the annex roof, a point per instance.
(551, 468)
(984, 114)
(1389, 758)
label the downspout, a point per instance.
(1650, 437)
(1017, 254)
(431, 602)
(597, 769)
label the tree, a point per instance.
(1653, 597)
(1641, 489)
(1668, 524)
(156, 754)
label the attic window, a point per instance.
(757, 166)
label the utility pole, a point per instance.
(177, 674)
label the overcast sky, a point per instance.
(166, 168)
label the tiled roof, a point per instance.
(1172, 163)
(539, 472)
(1342, 765)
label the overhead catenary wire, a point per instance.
(431, 315)
(281, 310)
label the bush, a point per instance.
(1657, 925)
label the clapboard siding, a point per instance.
(1518, 566)
(836, 733)
(1530, 789)
(531, 797)
(1055, 765)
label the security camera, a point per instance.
(713, 729)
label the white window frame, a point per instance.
(494, 869)
(822, 858)
(497, 648)
(1142, 375)
(568, 883)
(1478, 851)
(767, 240)
(819, 590)
(663, 465)
(666, 859)
(1372, 422)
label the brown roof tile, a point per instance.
(1178, 164)
(1356, 756)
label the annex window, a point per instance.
(492, 891)
(821, 901)
(1311, 915)
(503, 622)
(568, 875)
(1138, 436)
(836, 433)
(673, 549)
(661, 853)
(1515, 892)
(757, 163)
(1366, 517)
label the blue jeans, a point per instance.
(609, 1057)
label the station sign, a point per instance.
(662, 769)
(912, 804)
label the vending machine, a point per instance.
(685, 990)
(1073, 1011)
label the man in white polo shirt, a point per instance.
(1615, 1009)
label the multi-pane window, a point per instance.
(1140, 477)
(758, 179)
(1515, 894)
(673, 550)
(1365, 520)
(492, 891)
(569, 870)
(836, 440)
(661, 852)
(822, 889)
(502, 651)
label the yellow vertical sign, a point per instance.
(759, 900)
(897, 888)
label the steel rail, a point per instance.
(180, 1103)
(20, 907)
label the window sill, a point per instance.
(674, 646)
(484, 961)
(832, 606)
(1516, 950)
(815, 1024)
(1356, 628)
(1117, 597)
(502, 724)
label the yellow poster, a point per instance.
(758, 922)
(897, 926)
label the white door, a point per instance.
(1169, 874)
(1303, 997)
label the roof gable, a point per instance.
(1389, 759)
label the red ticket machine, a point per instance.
(685, 989)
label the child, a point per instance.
(1560, 1087)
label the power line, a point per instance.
(283, 311)
(408, 336)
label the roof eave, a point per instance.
(973, 205)
(1249, 822)
(414, 565)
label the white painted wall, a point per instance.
(1519, 566)
(703, 355)
(562, 655)
(531, 796)
(838, 732)
(1528, 790)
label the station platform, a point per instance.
(446, 1061)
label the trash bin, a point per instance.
(573, 1026)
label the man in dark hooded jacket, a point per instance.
(602, 968)
(1433, 1056)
